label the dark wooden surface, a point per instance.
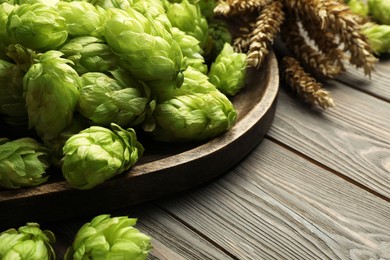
(316, 187)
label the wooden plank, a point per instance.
(277, 205)
(353, 138)
(377, 85)
(170, 238)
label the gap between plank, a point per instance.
(352, 181)
(216, 245)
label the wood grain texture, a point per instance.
(377, 85)
(277, 205)
(170, 238)
(353, 138)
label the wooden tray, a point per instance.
(164, 169)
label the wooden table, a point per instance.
(317, 187)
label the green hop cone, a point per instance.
(22, 56)
(51, 88)
(378, 36)
(29, 242)
(189, 45)
(97, 154)
(194, 82)
(36, 26)
(359, 7)
(207, 8)
(107, 237)
(55, 145)
(379, 11)
(12, 102)
(145, 48)
(89, 54)
(228, 71)
(219, 34)
(23, 162)
(113, 99)
(5, 10)
(188, 18)
(193, 117)
(82, 18)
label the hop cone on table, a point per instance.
(107, 237)
(23, 162)
(28, 242)
(97, 154)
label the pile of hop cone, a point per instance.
(318, 37)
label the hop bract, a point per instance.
(113, 99)
(145, 48)
(23, 162)
(96, 154)
(36, 26)
(107, 237)
(228, 71)
(51, 88)
(29, 242)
